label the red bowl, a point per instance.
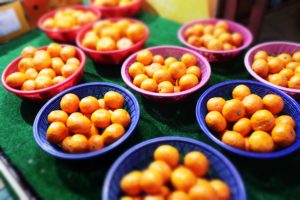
(167, 51)
(46, 93)
(119, 11)
(222, 55)
(114, 56)
(66, 35)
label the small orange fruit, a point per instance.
(163, 168)
(135, 32)
(182, 178)
(102, 104)
(283, 135)
(236, 39)
(168, 154)
(69, 103)
(188, 59)
(278, 79)
(110, 32)
(58, 79)
(56, 132)
(158, 59)
(194, 70)
(15, 79)
(214, 44)
(90, 41)
(54, 50)
(47, 72)
(261, 141)
(106, 44)
(145, 57)
(124, 43)
(261, 67)
(31, 74)
(262, 120)
(286, 119)
(58, 116)
(273, 103)
(138, 79)
(296, 56)
(120, 116)
(42, 82)
(68, 70)
(73, 61)
(78, 123)
(294, 82)
(113, 100)
(288, 73)
(240, 92)
(136, 69)
(188, 81)
(202, 190)
(41, 60)
(28, 52)
(149, 84)
(292, 65)
(275, 65)
(95, 142)
(285, 58)
(197, 162)
(88, 104)
(112, 133)
(178, 195)
(221, 188)
(66, 144)
(57, 64)
(261, 54)
(215, 121)
(151, 181)
(252, 103)
(233, 110)
(25, 63)
(169, 60)
(161, 75)
(222, 24)
(28, 85)
(233, 139)
(165, 87)
(152, 68)
(67, 52)
(243, 126)
(177, 69)
(130, 183)
(123, 25)
(101, 118)
(79, 143)
(215, 104)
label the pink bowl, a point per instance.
(272, 48)
(166, 51)
(46, 93)
(218, 56)
(119, 11)
(114, 56)
(66, 35)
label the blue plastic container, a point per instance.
(97, 89)
(140, 156)
(224, 90)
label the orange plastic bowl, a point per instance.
(46, 93)
(119, 11)
(114, 56)
(66, 35)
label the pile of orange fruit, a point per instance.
(112, 3)
(155, 73)
(213, 37)
(167, 178)
(88, 124)
(282, 69)
(250, 122)
(40, 69)
(108, 35)
(69, 19)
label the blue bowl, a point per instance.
(97, 89)
(224, 90)
(139, 157)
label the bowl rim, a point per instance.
(110, 8)
(30, 92)
(145, 144)
(79, 36)
(63, 155)
(256, 76)
(208, 133)
(45, 16)
(202, 82)
(214, 20)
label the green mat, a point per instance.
(59, 179)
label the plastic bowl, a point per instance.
(46, 93)
(119, 11)
(114, 56)
(66, 35)
(97, 89)
(139, 157)
(272, 48)
(224, 90)
(166, 51)
(222, 55)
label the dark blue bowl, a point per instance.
(97, 89)
(139, 157)
(224, 90)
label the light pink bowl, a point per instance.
(66, 35)
(114, 56)
(46, 93)
(218, 56)
(272, 48)
(166, 51)
(119, 11)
